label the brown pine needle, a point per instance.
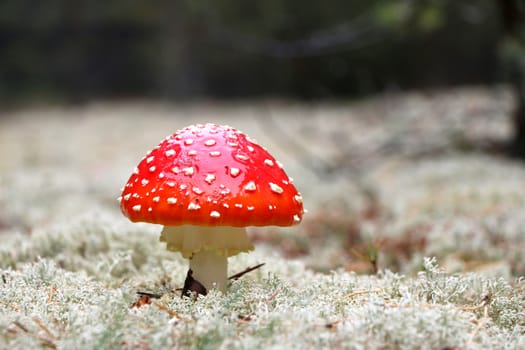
(169, 311)
(361, 292)
(52, 291)
(21, 326)
(245, 271)
(480, 325)
(42, 326)
(247, 318)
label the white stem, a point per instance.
(210, 269)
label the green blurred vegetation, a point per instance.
(75, 51)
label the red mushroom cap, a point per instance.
(211, 175)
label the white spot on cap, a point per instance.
(234, 171)
(171, 200)
(250, 148)
(192, 152)
(175, 169)
(268, 162)
(136, 170)
(276, 188)
(233, 144)
(250, 186)
(189, 171)
(119, 199)
(161, 175)
(150, 159)
(197, 190)
(298, 198)
(152, 168)
(136, 207)
(150, 210)
(241, 157)
(210, 178)
(126, 197)
(209, 142)
(296, 218)
(250, 207)
(193, 206)
(182, 187)
(279, 164)
(225, 205)
(215, 214)
(144, 182)
(170, 153)
(188, 142)
(156, 199)
(215, 154)
(238, 205)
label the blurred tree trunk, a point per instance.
(513, 12)
(178, 73)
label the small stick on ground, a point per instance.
(43, 327)
(52, 291)
(21, 326)
(44, 341)
(150, 295)
(169, 311)
(145, 299)
(248, 317)
(360, 292)
(485, 304)
(245, 271)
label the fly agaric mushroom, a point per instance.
(206, 184)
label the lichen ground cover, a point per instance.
(413, 238)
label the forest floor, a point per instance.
(414, 235)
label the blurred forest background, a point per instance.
(79, 50)
(76, 51)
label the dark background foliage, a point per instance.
(76, 51)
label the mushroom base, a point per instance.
(208, 248)
(190, 239)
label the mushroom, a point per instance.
(206, 184)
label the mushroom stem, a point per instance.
(208, 248)
(210, 268)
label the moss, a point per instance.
(70, 264)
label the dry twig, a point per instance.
(485, 305)
(42, 326)
(360, 292)
(169, 311)
(248, 317)
(245, 271)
